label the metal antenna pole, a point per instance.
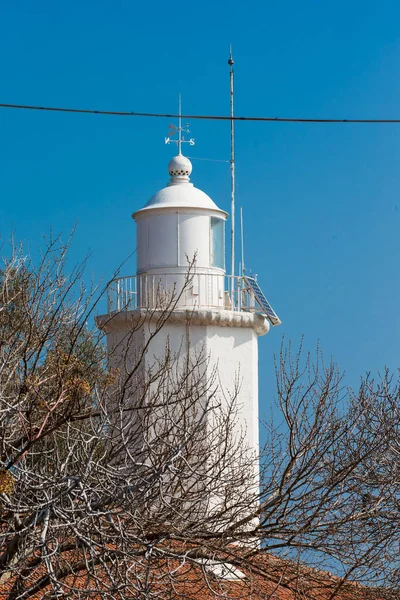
(232, 161)
(242, 239)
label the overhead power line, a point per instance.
(119, 113)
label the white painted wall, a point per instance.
(235, 353)
(230, 350)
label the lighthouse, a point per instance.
(182, 303)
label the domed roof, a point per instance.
(180, 193)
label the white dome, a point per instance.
(179, 193)
(184, 195)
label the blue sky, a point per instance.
(321, 202)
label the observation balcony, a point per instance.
(196, 291)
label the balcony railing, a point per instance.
(200, 291)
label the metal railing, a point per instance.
(199, 291)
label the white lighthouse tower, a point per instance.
(181, 282)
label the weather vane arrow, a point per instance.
(173, 130)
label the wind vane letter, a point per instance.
(173, 130)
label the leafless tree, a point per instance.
(130, 483)
(330, 492)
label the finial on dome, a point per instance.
(179, 168)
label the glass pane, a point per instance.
(217, 243)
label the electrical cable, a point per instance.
(190, 117)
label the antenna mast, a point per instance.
(242, 240)
(232, 161)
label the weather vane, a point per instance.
(173, 130)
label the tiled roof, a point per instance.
(177, 578)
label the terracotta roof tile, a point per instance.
(176, 579)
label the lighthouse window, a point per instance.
(217, 243)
